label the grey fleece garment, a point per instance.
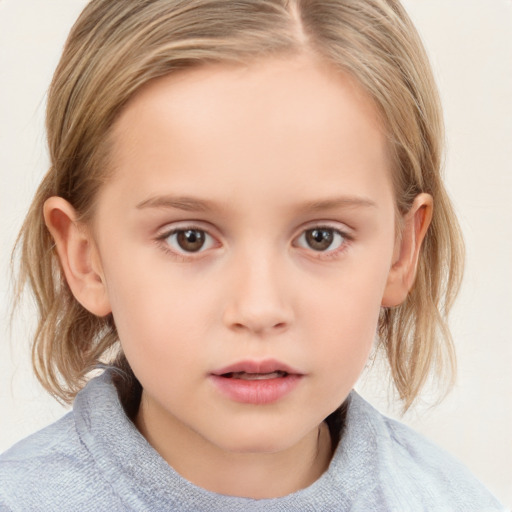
(94, 459)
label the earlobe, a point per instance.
(78, 256)
(403, 270)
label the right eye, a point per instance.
(189, 240)
(321, 239)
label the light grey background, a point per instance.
(470, 44)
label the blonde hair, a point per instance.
(117, 46)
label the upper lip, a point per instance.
(252, 366)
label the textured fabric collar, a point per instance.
(379, 465)
(143, 478)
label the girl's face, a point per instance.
(245, 241)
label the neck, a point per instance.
(250, 475)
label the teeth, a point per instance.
(256, 376)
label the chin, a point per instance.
(256, 446)
(259, 439)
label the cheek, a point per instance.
(347, 327)
(153, 308)
(345, 321)
(341, 340)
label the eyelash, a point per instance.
(187, 256)
(332, 253)
(180, 256)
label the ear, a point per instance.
(407, 249)
(78, 256)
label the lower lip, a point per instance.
(258, 392)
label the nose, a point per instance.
(259, 299)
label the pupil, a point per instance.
(191, 240)
(319, 239)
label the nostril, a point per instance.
(252, 326)
(256, 316)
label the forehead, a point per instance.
(291, 124)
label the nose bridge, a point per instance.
(259, 299)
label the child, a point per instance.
(242, 194)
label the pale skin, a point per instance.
(253, 159)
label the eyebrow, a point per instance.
(191, 204)
(188, 204)
(339, 202)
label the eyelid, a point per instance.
(184, 225)
(170, 229)
(342, 230)
(179, 226)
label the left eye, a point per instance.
(189, 240)
(321, 239)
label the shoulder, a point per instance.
(411, 469)
(50, 470)
(43, 451)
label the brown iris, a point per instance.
(319, 239)
(190, 240)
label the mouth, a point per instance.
(256, 383)
(256, 370)
(254, 376)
